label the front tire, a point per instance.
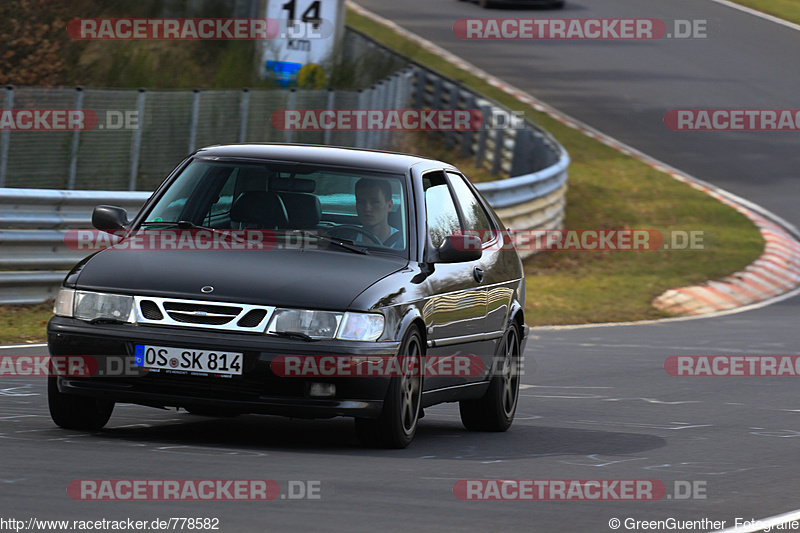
(76, 412)
(396, 425)
(495, 410)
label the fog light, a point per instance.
(322, 390)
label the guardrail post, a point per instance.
(467, 136)
(244, 109)
(449, 136)
(373, 104)
(5, 139)
(361, 136)
(437, 93)
(497, 161)
(483, 134)
(292, 104)
(419, 92)
(136, 145)
(524, 155)
(377, 135)
(330, 106)
(404, 98)
(194, 120)
(391, 91)
(76, 137)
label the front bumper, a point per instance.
(257, 390)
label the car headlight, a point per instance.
(100, 306)
(360, 327)
(327, 324)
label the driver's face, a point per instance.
(373, 210)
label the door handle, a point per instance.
(477, 273)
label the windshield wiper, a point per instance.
(344, 244)
(293, 335)
(186, 224)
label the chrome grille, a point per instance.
(202, 308)
(188, 318)
(202, 314)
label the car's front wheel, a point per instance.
(76, 412)
(396, 425)
(495, 410)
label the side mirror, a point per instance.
(459, 248)
(109, 218)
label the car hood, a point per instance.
(288, 278)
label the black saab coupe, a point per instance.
(303, 281)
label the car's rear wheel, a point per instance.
(396, 425)
(76, 412)
(495, 410)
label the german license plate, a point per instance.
(188, 360)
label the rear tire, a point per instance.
(495, 410)
(396, 425)
(70, 411)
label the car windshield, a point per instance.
(363, 209)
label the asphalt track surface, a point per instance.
(596, 404)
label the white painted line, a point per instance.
(764, 523)
(31, 345)
(759, 14)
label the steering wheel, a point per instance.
(352, 228)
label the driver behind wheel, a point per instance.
(373, 205)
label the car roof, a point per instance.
(321, 155)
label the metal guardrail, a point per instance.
(34, 257)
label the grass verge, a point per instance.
(24, 323)
(785, 9)
(608, 190)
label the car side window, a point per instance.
(475, 217)
(439, 207)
